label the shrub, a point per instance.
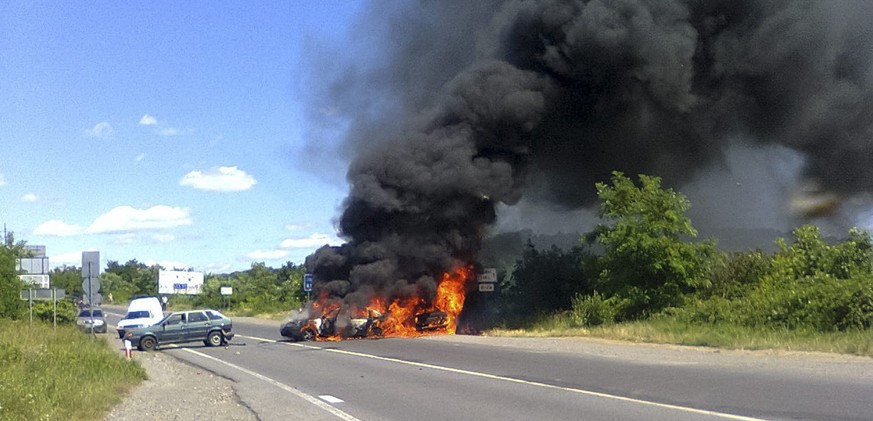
(593, 310)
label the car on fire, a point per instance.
(302, 328)
(209, 326)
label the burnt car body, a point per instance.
(430, 321)
(301, 328)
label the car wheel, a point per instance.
(148, 344)
(214, 338)
(308, 335)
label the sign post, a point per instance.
(226, 292)
(307, 285)
(90, 280)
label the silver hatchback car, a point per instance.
(91, 319)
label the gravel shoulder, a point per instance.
(178, 391)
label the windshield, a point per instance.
(137, 315)
(94, 313)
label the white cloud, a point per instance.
(219, 179)
(102, 130)
(139, 157)
(313, 241)
(29, 198)
(148, 120)
(168, 264)
(55, 228)
(267, 255)
(126, 218)
(126, 238)
(122, 219)
(2, 180)
(73, 258)
(163, 238)
(168, 132)
(295, 227)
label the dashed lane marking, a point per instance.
(331, 399)
(309, 398)
(519, 381)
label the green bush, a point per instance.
(593, 310)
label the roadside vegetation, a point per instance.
(59, 374)
(643, 276)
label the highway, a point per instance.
(480, 378)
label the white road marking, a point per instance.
(331, 399)
(519, 381)
(309, 398)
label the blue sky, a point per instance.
(167, 132)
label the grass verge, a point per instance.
(60, 374)
(669, 331)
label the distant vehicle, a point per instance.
(91, 318)
(141, 312)
(209, 326)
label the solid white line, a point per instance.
(311, 399)
(530, 383)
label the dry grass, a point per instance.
(721, 336)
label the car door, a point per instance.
(173, 329)
(199, 325)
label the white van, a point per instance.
(142, 312)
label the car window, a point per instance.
(196, 316)
(97, 313)
(84, 313)
(137, 315)
(214, 315)
(175, 319)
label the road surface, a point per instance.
(481, 378)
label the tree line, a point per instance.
(643, 261)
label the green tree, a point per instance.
(290, 277)
(647, 264)
(143, 278)
(69, 278)
(544, 281)
(11, 305)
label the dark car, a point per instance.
(91, 319)
(209, 326)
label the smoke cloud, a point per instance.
(463, 108)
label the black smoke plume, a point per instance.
(459, 108)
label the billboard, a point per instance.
(179, 282)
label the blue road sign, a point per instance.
(307, 282)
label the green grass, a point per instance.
(61, 374)
(669, 331)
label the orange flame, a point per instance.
(398, 318)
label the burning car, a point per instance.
(331, 325)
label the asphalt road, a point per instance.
(479, 378)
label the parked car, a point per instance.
(91, 318)
(209, 326)
(141, 312)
